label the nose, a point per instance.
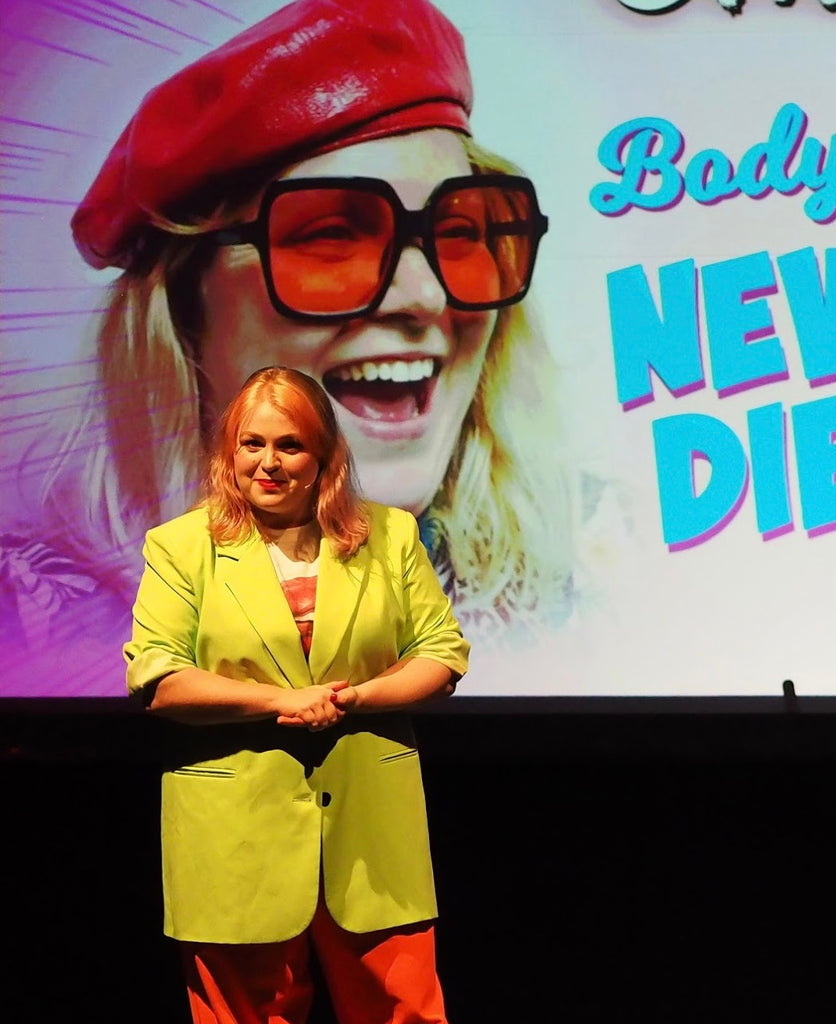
(270, 458)
(415, 290)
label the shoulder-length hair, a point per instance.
(338, 509)
(501, 531)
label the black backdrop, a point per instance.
(593, 866)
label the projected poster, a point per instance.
(653, 510)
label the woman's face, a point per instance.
(274, 470)
(402, 432)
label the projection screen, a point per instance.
(665, 434)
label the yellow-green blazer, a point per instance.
(244, 817)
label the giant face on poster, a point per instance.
(580, 320)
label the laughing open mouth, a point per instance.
(391, 390)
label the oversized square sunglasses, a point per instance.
(329, 247)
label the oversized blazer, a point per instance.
(248, 808)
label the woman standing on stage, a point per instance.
(290, 622)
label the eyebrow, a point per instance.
(253, 435)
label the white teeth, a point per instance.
(398, 370)
(421, 369)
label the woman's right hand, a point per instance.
(310, 707)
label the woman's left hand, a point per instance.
(343, 695)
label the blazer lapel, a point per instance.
(339, 591)
(252, 580)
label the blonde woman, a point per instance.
(447, 394)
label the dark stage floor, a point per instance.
(590, 869)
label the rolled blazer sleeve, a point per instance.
(166, 613)
(431, 629)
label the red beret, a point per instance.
(316, 75)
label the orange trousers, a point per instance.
(384, 977)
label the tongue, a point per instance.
(380, 400)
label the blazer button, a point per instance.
(326, 799)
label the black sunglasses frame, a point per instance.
(410, 225)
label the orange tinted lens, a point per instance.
(483, 242)
(329, 248)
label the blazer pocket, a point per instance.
(401, 755)
(205, 772)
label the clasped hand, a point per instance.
(316, 707)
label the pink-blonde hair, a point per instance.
(338, 508)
